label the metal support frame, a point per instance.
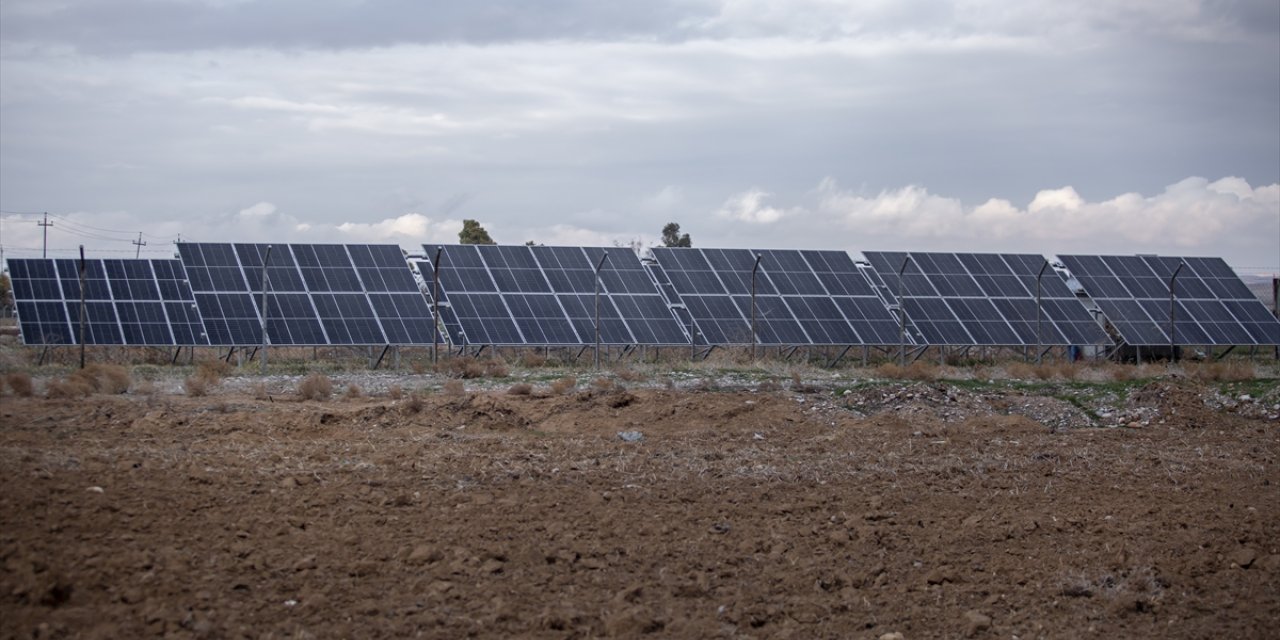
(835, 361)
(1039, 313)
(83, 305)
(596, 277)
(266, 281)
(378, 363)
(902, 315)
(1173, 328)
(754, 268)
(435, 303)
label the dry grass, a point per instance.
(419, 367)
(532, 359)
(564, 385)
(464, 368)
(630, 374)
(455, 388)
(111, 379)
(395, 392)
(316, 386)
(520, 389)
(1219, 371)
(20, 383)
(917, 370)
(260, 391)
(213, 371)
(353, 392)
(495, 368)
(196, 386)
(603, 384)
(414, 404)
(69, 389)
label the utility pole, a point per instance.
(140, 243)
(44, 253)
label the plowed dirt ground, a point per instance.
(928, 509)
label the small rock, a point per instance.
(631, 436)
(304, 564)
(976, 622)
(893, 635)
(1243, 557)
(1244, 397)
(756, 436)
(94, 489)
(423, 554)
(289, 483)
(720, 527)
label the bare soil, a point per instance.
(929, 509)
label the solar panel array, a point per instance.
(127, 302)
(317, 294)
(985, 299)
(1213, 306)
(523, 295)
(802, 297)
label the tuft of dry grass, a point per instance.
(69, 389)
(196, 386)
(395, 392)
(419, 367)
(465, 368)
(532, 359)
(495, 368)
(354, 392)
(260, 391)
(603, 384)
(414, 404)
(520, 389)
(213, 371)
(1220, 371)
(20, 383)
(564, 385)
(455, 388)
(316, 386)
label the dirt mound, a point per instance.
(926, 509)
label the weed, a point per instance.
(395, 392)
(603, 384)
(196, 386)
(316, 386)
(260, 391)
(631, 375)
(354, 392)
(213, 371)
(71, 388)
(418, 367)
(20, 383)
(564, 385)
(455, 387)
(495, 368)
(520, 389)
(915, 371)
(415, 403)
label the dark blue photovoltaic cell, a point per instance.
(1213, 306)
(43, 322)
(547, 296)
(348, 318)
(801, 296)
(405, 317)
(986, 299)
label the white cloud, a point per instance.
(260, 210)
(666, 198)
(1193, 214)
(749, 207)
(411, 227)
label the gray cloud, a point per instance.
(569, 121)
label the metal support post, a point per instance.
(754, 268)
(902, 315)
(435, 303)
(1039, 336)
(599, 265)
(1173, 328)
(83, 305)
(266, 280)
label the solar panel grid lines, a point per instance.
(537, 295)
(802, 297)
(127, 302)
(963, 299)
(1211, 305)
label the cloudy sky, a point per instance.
(1053, 126)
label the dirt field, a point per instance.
(840, 509)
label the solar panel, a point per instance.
(321, 294)
(801, 298)
(522, 295)
(127, 302)
(987, 299)
(1212, 305)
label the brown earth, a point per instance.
(924, 509)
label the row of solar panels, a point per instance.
(521, 295)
